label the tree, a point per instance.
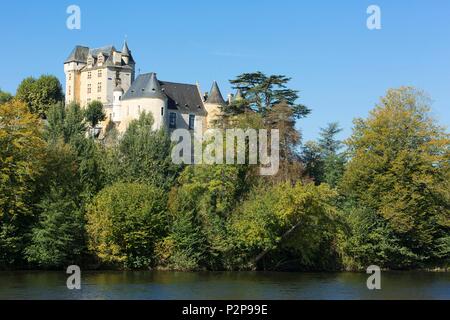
(94, 113)
(58, 238)
(333, 160)
(286, 225)
(5, 96)
(144, 155)
(327, 141)
(263, 92)
(322, 159)
(199, 207)
(22, 150)
(281, 117)
(312, 159)
(39, 94)
(399, 175)
(66, 122)
(124, 223)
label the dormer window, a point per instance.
(100, 59)
(90, 61)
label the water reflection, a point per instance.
(223, 285)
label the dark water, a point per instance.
(223, 285)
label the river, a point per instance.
(223, 285)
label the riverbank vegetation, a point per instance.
(67, 197)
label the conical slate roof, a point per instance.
(215, 97)
(125, 50)
(238, 95)
(146, 85)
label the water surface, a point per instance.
(223, 285)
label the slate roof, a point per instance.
(180, 96)
(184, 97)
(78, 54)
(107, 51)
(215, 97)
(81, 53)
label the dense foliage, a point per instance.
(71, 197)
(39, 94)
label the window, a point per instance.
(89, 88)
(139, 109)
(99, 73)
(100, 58)
(191, 121)
(172, 120)
(89, 100)
(99, 87)
(69, 90)
(89, 75)
(162, 111)
(70, 75)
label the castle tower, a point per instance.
(145, 95)
(128, 59)
(72, 69)
(213, 104)
(117, 101)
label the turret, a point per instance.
(117, 102)
(145, 95)
(213, 104)
(126, 53)
(238, 96)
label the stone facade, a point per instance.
(108, 75)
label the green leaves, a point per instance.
(94, 113)
(39, 94)
(263, 92)
(124, 223)
(399, 172)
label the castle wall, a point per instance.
(131, 109)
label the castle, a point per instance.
(108, 75)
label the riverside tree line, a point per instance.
(66, 197)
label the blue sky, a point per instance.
(340, 67)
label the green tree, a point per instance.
(124, 223)
(333, 159)
(58, 238)
(94, 113)
(398, 184)
(5, 96)
(262, 93)
(200, 207)
(144, 155)
(39, 94)
(322, 159)
(22, 150)
(286, 225)
(66, 122)
(312, 158)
